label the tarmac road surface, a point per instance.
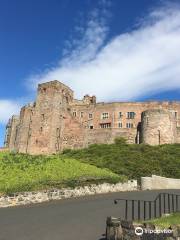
(71, 219)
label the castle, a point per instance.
(57, 121)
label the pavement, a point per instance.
(82, 218)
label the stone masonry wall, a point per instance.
(56, 121)
(158, 127)
(56, 194)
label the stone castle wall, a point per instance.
(158, 127)
(56, 121)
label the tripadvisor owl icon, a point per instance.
(139, 231)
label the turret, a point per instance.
(158, 127)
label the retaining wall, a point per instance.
(157, 182)
(56, 194)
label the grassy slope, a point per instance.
(133, 160)
(166, 221)
(20, 172)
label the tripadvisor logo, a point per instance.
(139, 231)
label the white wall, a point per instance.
(157, 182)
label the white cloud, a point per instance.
(7, 109)
(131, 65)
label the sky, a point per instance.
(117, 50)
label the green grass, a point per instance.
(166, 221)
(20, 172)
(132, 160)
(95, 164)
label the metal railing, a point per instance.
(143, 209)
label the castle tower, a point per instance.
(11, 132)
(48, 117)
(158, 126)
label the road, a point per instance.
(71, 219)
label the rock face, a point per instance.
(56, 194)
(57, 121)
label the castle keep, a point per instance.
(56, 121)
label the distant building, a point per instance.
(57, 121)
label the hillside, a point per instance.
(95, 164)
(20, 172)
(132, 160)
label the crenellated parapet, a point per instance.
(57, 121)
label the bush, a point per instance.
(120, 141)
(132, 160)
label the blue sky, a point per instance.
(118, 50)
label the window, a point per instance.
(81, 114)
(91, 127)
(41, 129)
(130, 115)
(43, 117)
(44, 90)
(120, 124)
(120, 115)
(74, 114)
(105, 125)
(175, 114)
(129, 125)
(105, 115)
(147, 121)
(90, 115)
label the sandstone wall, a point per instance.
(108, 135)
(12, 132)
(157, 182)
(56, 121)
(158, 126)
(178, 135)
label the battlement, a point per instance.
(56, 121)
(55, 84)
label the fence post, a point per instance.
(164, 197)
(154, 208)
(168, 203)
(160, 209)
(126, 210)
(177, 204)
(132, 209)
(149, 209)
(139, 209)
(144, 210)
